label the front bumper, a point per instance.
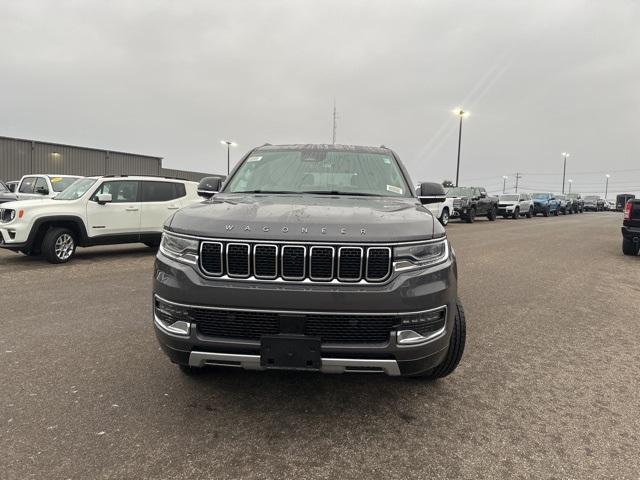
(406, 293)
(14, 235)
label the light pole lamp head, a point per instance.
(565, 154)
(227, 142)
(504, 177)
(608, 176)
(459, 111)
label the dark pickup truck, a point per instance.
(310, 257)
(471, 202)
(631, 228)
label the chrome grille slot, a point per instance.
(321, 261)
(293, 262)
(265, 261)
(349, 263)
(378, 263)
(238, 260)
(211, 258)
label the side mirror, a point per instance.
(434, 191)
(209, 186)
(104, 198)
(483, 194)
(42, 190)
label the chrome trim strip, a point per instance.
(407, 265)
(207, 272)
(248, 259)
(329, 365)
(366, 268)
(301, 312)
(409, 337)
(354, 279)
(304, 262)
(183, 259)
(306, 242)
(265, 277)
(176, 328)
(333, 260)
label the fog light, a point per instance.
(422, 326)
(172, 318)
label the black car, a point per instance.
(6, 195)
(631, 228)
(472, 202)
(310, 257)
(622, 199)
(577, 202)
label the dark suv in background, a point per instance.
(631, 228)
(310, 257)
(546, 204)
(471, 202)
(577, 203)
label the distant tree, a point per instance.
(447, 183)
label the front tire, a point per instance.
(545, 212)
(456, 348)
(471, 216)
(530, 212)
(58, 245)
(493, 214)
(444, 217)
(630, 248)
(516, 213)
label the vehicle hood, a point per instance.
(30, 203)
(317, 218)
(7, 197)
(540, 200)
(509, 202)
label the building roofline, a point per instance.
(2, 137)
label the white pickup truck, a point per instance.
(433, 197)
(94, 211)
(40, 186)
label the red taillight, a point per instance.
(627, 211)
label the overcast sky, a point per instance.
(174, 78)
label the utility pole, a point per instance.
(504, 183)
(460, 113)
(564, 169)
(606, 187)
(335, 122)
(518, 177)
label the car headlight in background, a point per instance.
(421, 255)
(182, 249)
(7, 215)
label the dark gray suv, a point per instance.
(310, 257)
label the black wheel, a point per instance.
(58, 245)
(189, 370)
(545, 212)
(516, 213)
(629, 247)
(456, 348)
(556, 212)
(493, 214)
(530, 212)
(444, 217)
(471, 216)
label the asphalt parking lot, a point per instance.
(548, 387)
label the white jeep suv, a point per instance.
(515, 205)
(94, 211)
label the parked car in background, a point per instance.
(470, 202)
(545, 203)
(610, 205)
(564, 204)
(38, 187)
(94, 211)
(577, 202)
(515, 205)
(631, 227)
(12, 185)
(433, 197)
(593, 203)
(622, 199)
(6, 195)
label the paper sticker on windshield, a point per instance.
(55, 179)
(393, 189)
(254, 159)
(387, 161)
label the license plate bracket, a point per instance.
(290, 352)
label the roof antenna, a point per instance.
(335, 119)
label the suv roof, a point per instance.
(141, 177)
(326, 146)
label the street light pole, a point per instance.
(461, 113)
(229, 145)
(606, 186)
(564, 169)
(570, 182)
(504, 183)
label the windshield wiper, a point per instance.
(265, 191)
(339, 192)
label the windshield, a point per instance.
(460, 192)
(3, 188)
(320, 172)
(75, 191)
(510, 198)
(59, 184)
(592, 198)
(573, 195)
(540, 195)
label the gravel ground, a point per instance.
(548, 386)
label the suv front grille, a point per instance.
(251, 325)
(320, 263)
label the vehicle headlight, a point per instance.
(421, 255)
(180, 248)
(7, 215)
